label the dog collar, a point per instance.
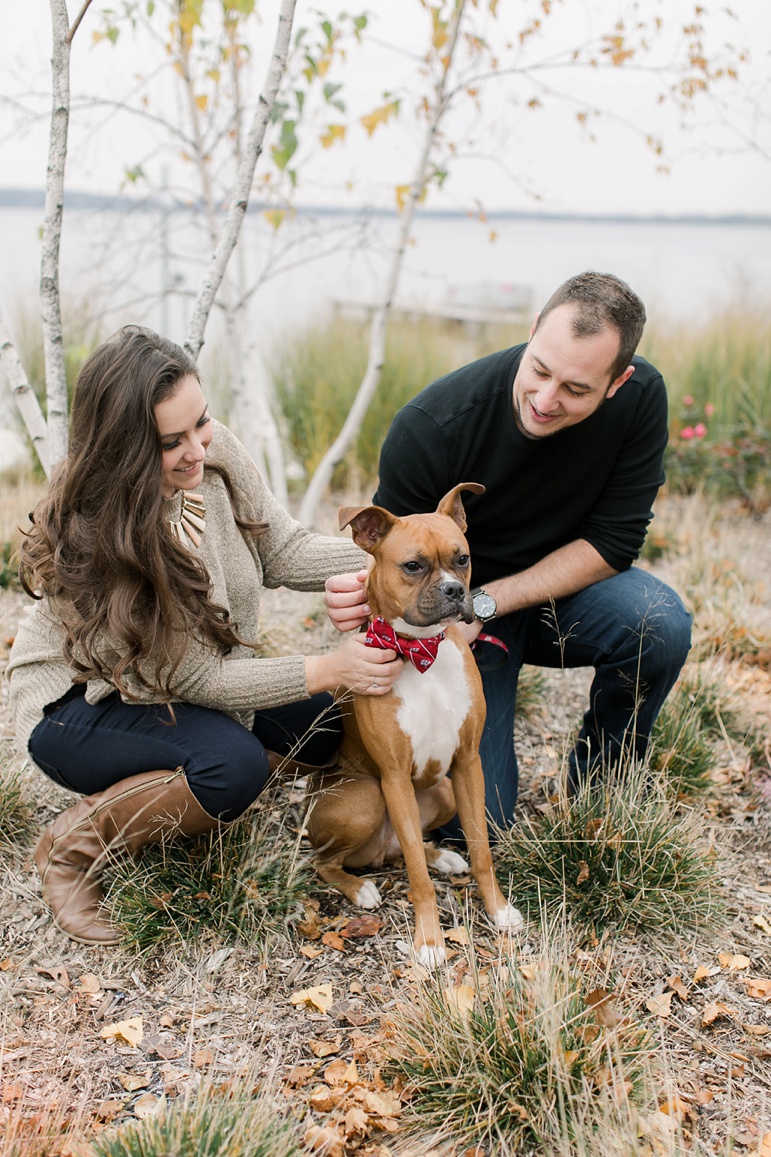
(420, 652)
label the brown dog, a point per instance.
(391, 783)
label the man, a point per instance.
(567, 432)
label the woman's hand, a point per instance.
(354, 666)
(346, 601)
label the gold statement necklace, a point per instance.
(191, 523)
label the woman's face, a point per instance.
(185, 429)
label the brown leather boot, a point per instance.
(74, 849)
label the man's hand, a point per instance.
(470, 631)
(345, 600)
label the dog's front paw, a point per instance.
(368, 896)
(508, 919)
(431, 955)
(450, 862)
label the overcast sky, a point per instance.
(718, 163)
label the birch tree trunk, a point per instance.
(50, 302)
(322, 476)
(242, 188)
(24, 396)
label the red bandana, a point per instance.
(420, 652)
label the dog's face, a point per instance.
(421, 573)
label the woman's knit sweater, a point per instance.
(238, 566)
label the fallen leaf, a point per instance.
(660, 1005)
(704, 1096)
(703, 972)
(148, 1106)
(356, 1124)
(757, 1029)
(202, 1058)
(167, 1020)
(320, 997)
(341, 1072)
(674, 1107)
(732, 962)
(676, 984)
(133, 1081)
(761, 922)
(601, 1001)
(90, 983)
(333, 940)
(384, 1104)
(713, 1011)
(107, 1109)
(360, 926)
(758, 987)
(129, 1031)
(310, 952)
(765, 1146)
(529, 971)
(12, 1092)
(461, 998)
(356, 988)
(324, 1048)
(458, 936)
(583, 872)
(324, 1139)
(324, 1100)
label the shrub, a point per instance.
(240, 882)
(618, 854)
(533, 1067)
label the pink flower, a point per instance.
(700, 430)
(687, 400)
(687, 432)
(709, 409)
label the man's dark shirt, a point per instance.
(595, 480)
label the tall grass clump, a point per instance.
(15, 806)
(719, 383)
(212, 1126)
(538, 1063)
(619, 855)
(680, 751)
(239, 883)
(317, 375)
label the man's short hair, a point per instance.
(602, 300)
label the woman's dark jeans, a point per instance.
(632, 629)
(89, 747)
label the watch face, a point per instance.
(484, 606)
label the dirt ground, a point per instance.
(208, 1012)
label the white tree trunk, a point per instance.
(243, 184)
(322, 476)
(53, 341)
(24, 396)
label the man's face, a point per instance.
(563, 379)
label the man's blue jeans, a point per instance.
(631, 628)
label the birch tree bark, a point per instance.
(322, 476)
(24, 396)
(50, 302)
(240, 195)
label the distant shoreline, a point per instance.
(74, 199)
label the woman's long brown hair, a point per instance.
(130, 596)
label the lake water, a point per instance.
(117, 263)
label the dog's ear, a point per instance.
(452, 506)
(369, 524)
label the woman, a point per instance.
(132, 678)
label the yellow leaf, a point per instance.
(333, 135)
(379, 116)
(128, 1031)
(702, 972)
(275, 217)
(402, 192)
(333, 940)
(319, 997)
(460, 998)
(735, 963)
(660, 1005)
(311, 952)
(676, 984)
(458, 936)
(202, 101)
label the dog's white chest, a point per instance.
(434, 706)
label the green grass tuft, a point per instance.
(16, 821)
(238, 883)
(680, 750)
(533, 1067)
(213, 1127)
(620, 855)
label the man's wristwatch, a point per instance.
(485, 606)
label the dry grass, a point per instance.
(693, 1006)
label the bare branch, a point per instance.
(78, 18)
(243, 183)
